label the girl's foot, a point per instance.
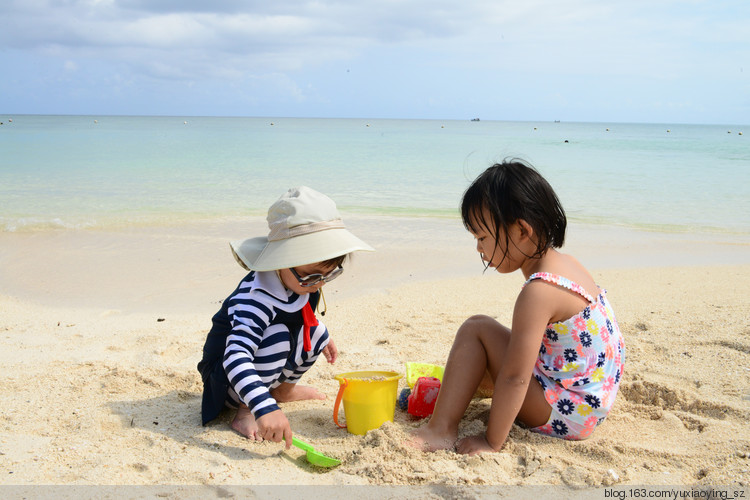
(245, 424)
(292, 392)
(428, 439)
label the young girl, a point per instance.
(558, 368)
(266, 335)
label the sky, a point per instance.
(642, 61)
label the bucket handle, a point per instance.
(343, 385)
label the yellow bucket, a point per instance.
(369, 399)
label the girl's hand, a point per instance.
(330, 351)
(275, 427)
(473, 445)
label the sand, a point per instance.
(101, 331)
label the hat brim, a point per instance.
(259, 254)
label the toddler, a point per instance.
(266, 335)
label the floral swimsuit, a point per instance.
(579, 366)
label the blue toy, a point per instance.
(403, 399)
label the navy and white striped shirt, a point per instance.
(252, 309)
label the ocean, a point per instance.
(72, 172)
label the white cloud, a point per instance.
(434, 50)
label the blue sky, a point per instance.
(659, 61)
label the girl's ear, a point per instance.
(526, 230)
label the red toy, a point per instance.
(423, 396)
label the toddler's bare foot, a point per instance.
(428, 439)
(292, 392)
(245, 424)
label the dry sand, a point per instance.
(100, 334)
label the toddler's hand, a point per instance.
(275, 427)
(330, 352)
(473, 445)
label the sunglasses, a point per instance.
(314, 279)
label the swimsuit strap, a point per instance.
(563, 282)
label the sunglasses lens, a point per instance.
(333, 274)
(314, 279)
(311, 280)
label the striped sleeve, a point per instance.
(251, 313)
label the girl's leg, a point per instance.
(478, 350)
(464, 371)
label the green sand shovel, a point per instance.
(315, 457)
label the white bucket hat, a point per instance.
(304, 228)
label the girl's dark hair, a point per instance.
(510, 191)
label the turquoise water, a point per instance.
(99, 172)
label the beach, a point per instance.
(101, 331)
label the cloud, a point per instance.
(71, 66)
(420, 51)
(328, 28)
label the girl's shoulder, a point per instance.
(556, 299)
(566, 272)
(562, 282)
